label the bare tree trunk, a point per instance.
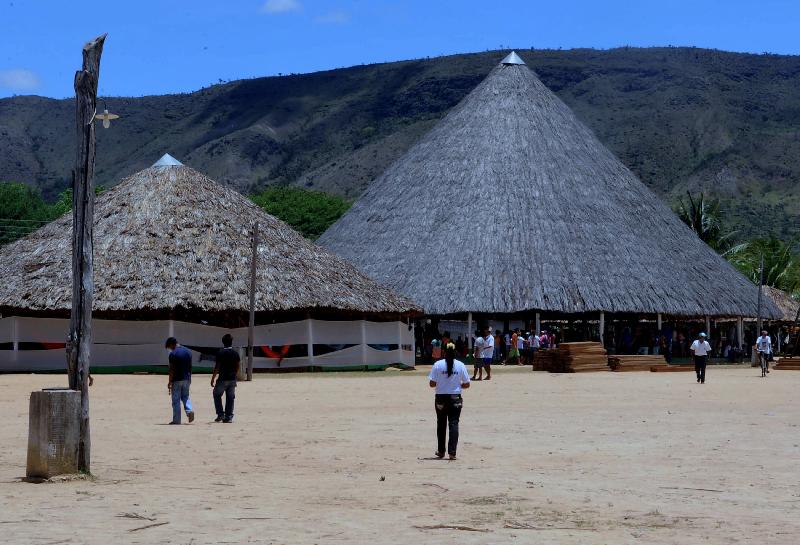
(252, 322)
(80, 336)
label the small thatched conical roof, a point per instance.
(787, 304)
(511, 204)
(169, 238)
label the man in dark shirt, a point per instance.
(227, 367)
(180, 379)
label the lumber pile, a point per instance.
(788, 364)
(671, 368)
(635, 362)
(580, 357)
(546, 360)
(583, 357)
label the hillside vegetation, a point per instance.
(680, 118)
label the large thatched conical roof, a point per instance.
(511, 204)
(169, 238)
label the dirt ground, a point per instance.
(605, 458)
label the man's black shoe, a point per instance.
(219, 419)
(227, 420)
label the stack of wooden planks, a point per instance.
(788, 364)
(580, 357)
(635, 362)
(546, 360)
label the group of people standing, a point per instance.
(223, 380)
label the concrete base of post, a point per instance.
(53, 434)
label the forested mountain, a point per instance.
(681, 118)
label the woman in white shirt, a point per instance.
(449, 376)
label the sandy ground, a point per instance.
(346, 458)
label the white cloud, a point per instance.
(280, 6)
(336, 17)
(19, 79)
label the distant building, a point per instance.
(172, 255)
(510, 207)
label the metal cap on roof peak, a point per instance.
(511, 59)
(167, 160)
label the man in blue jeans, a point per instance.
(227, 366)
(180, 379)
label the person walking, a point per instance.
(513, 353)
(477, 356)
(533, 346)
(449, 376)
(227, 367)
(700, 350)
(180, 380)
(488, 352)
(764, 349)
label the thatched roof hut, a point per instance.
(787, 305)
(171, 243)
(511, 204)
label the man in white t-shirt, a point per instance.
(477, 357)
(700, 351)
(488, 352)
(764, 349)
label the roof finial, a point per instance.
(167, 160)
(512, 59)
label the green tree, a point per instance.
(22, 210)
(703, 217)
(781, 262)
(309, 212)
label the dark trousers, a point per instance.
(448, 411)
(700, 367)
(227, 387)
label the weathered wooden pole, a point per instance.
(252, 324)
(79, 342)
(760, 291)
(601, 328)
(469, 332)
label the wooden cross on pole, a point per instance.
(79, 342)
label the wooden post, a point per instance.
(15, 340)
(79, 343)
(469, 331)
(659, 322)
(538, 323)
(740, 331)
(310, 339)
(760, 291)
(364, 347)
(252, 324)
(602, 328)
(708, 326)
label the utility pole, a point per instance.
(79, 342)
(252, 324)
(760, 291)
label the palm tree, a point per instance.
(781, 263)
(702, 217)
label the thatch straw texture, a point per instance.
(511, 204)
(170, 238)
(787, 305)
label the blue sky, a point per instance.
(166, 46)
